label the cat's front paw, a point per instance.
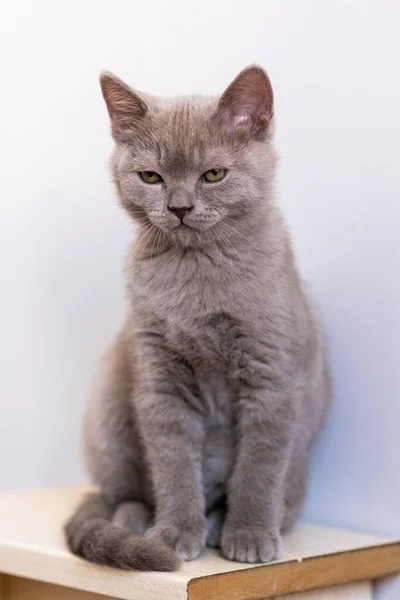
(187, 540)
(250, 544)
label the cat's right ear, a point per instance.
(125, 107)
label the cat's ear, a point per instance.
(125, 107)
(248, 103)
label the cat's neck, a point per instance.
(232, 267)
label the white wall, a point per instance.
(334, 66)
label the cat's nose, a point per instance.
(180, 211)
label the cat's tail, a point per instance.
(91, 535)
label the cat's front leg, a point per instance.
(172, 436)
(251, 531)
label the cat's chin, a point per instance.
(188, 236)
(185, 235)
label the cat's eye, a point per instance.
(150, 177)
(213, 175)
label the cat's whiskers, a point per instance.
(146, 240)
(222, 240)
(142, 221)
(146, 234)
(244, 238)
(226, 241)
(241, 234)
(151, 240)
(158, 235)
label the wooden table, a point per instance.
(35, 563)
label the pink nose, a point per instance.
(180, 211)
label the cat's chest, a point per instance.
(207, 346)
(190, 288)
(199, 314)
(207, 343)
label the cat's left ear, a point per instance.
(247, 105)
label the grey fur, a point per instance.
(209, 400)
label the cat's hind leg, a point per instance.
(113, 452)
(134, 517)
(107, 528)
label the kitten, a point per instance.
(209, 400)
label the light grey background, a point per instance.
(334, 67)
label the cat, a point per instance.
(207, 404)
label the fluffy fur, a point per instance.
(208, 402)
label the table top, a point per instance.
(32, 545)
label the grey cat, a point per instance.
(208, 402)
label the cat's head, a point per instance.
(193, 167)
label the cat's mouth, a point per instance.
(184, 230)
(183, 225)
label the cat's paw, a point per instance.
(187, 540)
(250, 544)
